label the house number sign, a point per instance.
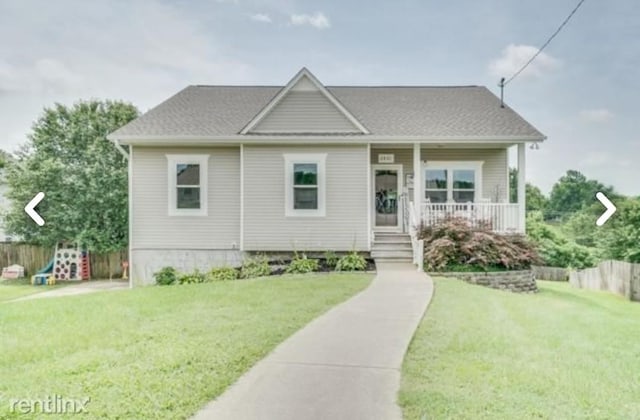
(386, 158)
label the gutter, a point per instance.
(121, 149)
(191, 140)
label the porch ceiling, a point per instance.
(444, 145)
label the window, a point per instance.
(187, 185)
(457, 182)
(464, 185)
(305, 184)
(436, 185)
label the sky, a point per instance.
(581, 92)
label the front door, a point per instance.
(387, 187)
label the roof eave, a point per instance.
(319, 139)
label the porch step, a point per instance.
(389, 237)
(391, 246)
(392, 241)
(392, 253)
(394, 259)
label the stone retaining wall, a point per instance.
(515, 281)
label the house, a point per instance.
(216, 172)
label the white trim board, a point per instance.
(306, 139)
(130, 215)
(369, 207)
(241, 245)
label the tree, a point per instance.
(5, 159)
(619, 238)
(83, 176)
(573, 192)
(513, 185)
(535, 200)
(555, 249)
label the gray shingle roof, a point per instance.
(460, 111)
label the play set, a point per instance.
(70, 262)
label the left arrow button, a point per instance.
(30, 209)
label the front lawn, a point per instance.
(155, 352)
(13, 289)
(561, 353)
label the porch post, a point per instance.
(370, 198)
(417, 180)
(521, 187)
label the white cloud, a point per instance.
(261, 17)
(104, 52)
(599, 115)
(317, 20)
(515, 56)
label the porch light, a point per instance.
(534, 146)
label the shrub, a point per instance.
(192, 278)
(166, 276)
(331, 260)
(222, 274)
(301, 265)
(554, 248)
(467, 268)
(453, 242)
(352, 262)
(255, 267)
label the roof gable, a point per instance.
(304, 105)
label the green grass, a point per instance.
(155, 352)
(561, 353)
(13, 289)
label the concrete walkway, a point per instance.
(345, 364)
(80, 288)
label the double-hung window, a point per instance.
(305, 184)
(188, 175)
(453, 182)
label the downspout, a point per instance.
(121, 149)
(126, 155)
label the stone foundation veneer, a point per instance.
(521, 281)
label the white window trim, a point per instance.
(451, 165)
(172, 162)
(319, 159)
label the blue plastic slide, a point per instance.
(48, 268)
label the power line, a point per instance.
(573, 12)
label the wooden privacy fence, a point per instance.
(33, 258)
(618, 277)
(550, 273)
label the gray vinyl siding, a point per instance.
(402, 157)
(345, 225)
(305, 112)
(153, 228)
(495, 180)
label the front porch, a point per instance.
(500, 217)
(469, 181)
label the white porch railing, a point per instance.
(501, 217)
(417, 245)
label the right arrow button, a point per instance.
(610, 209)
